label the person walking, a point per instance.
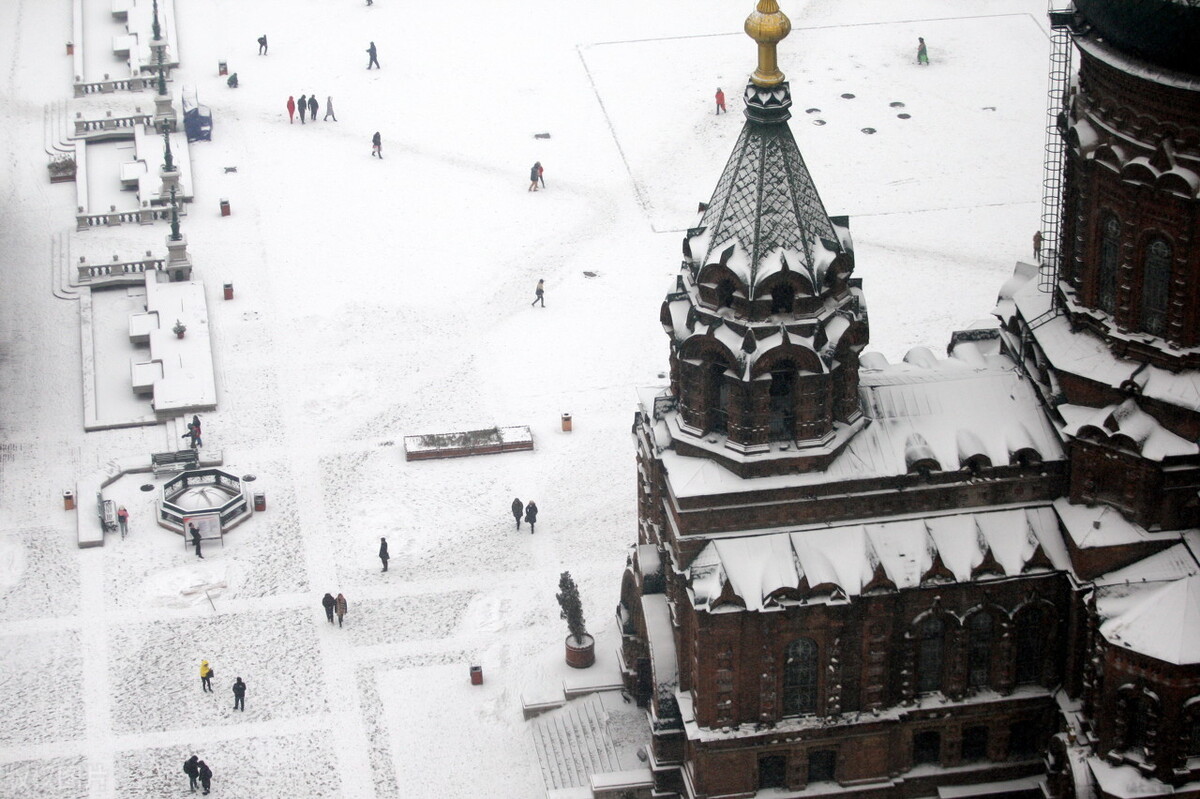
(262, 44)
(206, 675)
(340, 606)
(239, 695)
(302, 106)
(374, 62)
(540, 294)
(205, 776)
(922, 52)
(291, 107)
(541, 173)
(123, 520)
(531, 515)
(720, 102)
(328, 602)
(191, 767)
(313, 105)
(383, 553)
(517, 508)
(194, 532)
(377, 146)
(329, 109)
(534, 175)
(191, 434)
(1037, 244)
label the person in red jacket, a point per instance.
(720, 101)
(291, 107)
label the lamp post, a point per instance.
(175, 235)
(168, 161)
(156, 28)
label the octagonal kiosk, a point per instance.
(213, 500)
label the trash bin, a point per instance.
(229, 291)
(566, 422)
(477, 675)
(68, 500)
(70, 48)
(222, 68)
(224, 207)
(260, 500)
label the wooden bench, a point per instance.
(178, 461)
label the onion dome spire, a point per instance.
(768, 26)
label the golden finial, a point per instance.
(768, 26)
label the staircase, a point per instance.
(572, 744)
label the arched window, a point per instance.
(783, 298)
(979, 650)
(718, 397)
(931, 633)
(783, 402)
(725, 292)
(1031, 641)
(1156, 286)
(1110, 257)
(800, 678)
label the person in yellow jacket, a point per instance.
(206, 675)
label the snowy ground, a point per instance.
(379, 299)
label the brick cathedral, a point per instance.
(952, 576)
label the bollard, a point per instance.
(68, 500)
(224, 207)
(229, 291)
(566, 422)
(222, 68)
(260, 501)
(477, 675)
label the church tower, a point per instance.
(766, 323)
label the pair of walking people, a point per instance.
(529, 510)
(198, 771)
(239, 686)
(334, 605)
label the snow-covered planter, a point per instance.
(581, 647)
(62, 169)
(468, 442)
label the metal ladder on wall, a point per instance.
(1061, 18)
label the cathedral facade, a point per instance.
(959, 576)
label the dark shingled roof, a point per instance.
(1164, 32)
(766, 198)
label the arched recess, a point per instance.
(1188, 745)
(982, 631)
(1139, 172)
(930, 633)
(719, 285)
(709, 371)
(1035, 631)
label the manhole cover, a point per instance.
(148, 487)
(896, 104)
(812, 111)
(249, 478)
(818, 122)
(590, 274)
(903, 116)
(868, 131)
(847, 96)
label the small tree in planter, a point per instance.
(580, 646)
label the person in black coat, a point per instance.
(239, 695)
(205, 776)
(191, 767)
(531, 515)
(383, 553)
(327, 601)
(377, 146)
(262, 44)
(374, 61)
(194, 532)
(517, 507)
(302, 106)
(312, 107)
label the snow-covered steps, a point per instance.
(573, 743)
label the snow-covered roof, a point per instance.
(1083, 353)
(1162, 624)
(1102, 526)
(661, 637)
(853, 558)
(946, 402)
(1129, 422)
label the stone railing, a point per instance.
(110, 123)
(89, 271)
(142, 216)
(134, 83)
